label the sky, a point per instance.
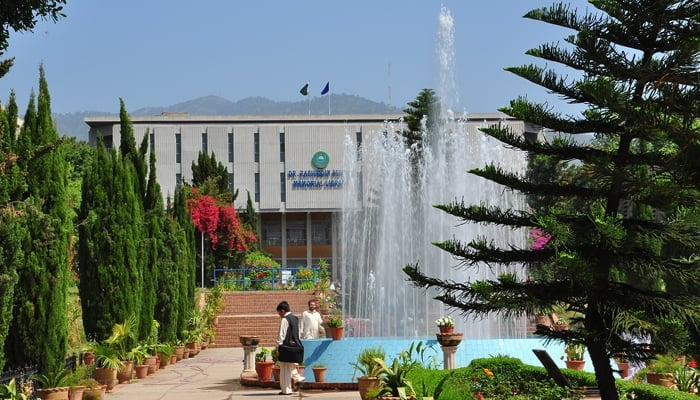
(156, 53)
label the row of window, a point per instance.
(256, 158)
(256, 146)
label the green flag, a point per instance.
(305, 90)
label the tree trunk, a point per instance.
(603, 371)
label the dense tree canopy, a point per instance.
(622, 230)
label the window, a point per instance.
(296, 230)
(271, 230)
(152, 141)
(178, 148)
(256, 147)
(321, 229)
(257, 187)
(282, 147)
(178, 179)
(230, 182)
(205, 147)
(358, 138)
(283, 188)
(230, 147)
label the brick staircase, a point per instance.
(253, 313)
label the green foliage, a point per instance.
(366, 364)
(53, 379)
(10, 391)
(211, 177)
(123, 338)
(335, 321)
(620, 215)
(263, 354)
(38, 334)
(394, 378)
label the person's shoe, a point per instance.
(299, 379)
(284, 394)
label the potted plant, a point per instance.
(659, 371)
(335, 325)
(368, 368)
(573, 355)
(262, 366)
(80, 373)
(446, 324)
(323, 288)
(393, 380)
(123, 340)
(53, 385)
(94, 390)
(107, 364)
(623, 365)
(319, 372)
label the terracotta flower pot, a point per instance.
(575, 364)
(446, 329)
(365, 383)
(264, 370)
(319, 374)
(336, 333)
(58, 393)
(141, 371)
(126, 372)
(76, 392)
(107, 377)
(179, 352)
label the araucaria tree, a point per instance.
(625, 258)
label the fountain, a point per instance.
(389, 220)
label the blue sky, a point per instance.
(158, 53)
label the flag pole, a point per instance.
(309, 100)
(329, 103)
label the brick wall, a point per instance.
(253, 313)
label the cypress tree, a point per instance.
(186, 257)
(110, 235)
(39, 327)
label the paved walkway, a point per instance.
(214, 374)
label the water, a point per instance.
(389, 220)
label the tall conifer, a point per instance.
(623, 236)
(39, 326)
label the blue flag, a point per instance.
(326, 89)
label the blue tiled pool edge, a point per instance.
(337, 356)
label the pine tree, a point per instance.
(627, 278)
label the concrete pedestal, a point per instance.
(249, 362)
(449, 356)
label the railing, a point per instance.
(263, 278)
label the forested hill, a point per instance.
(72, 124)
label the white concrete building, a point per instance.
(291, 165)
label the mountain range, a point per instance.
(73, 124)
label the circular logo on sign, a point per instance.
(320, 160)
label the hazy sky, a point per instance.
(158, 53)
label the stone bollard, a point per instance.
(250, 345)
(449, 343)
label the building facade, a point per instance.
(292, 166)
